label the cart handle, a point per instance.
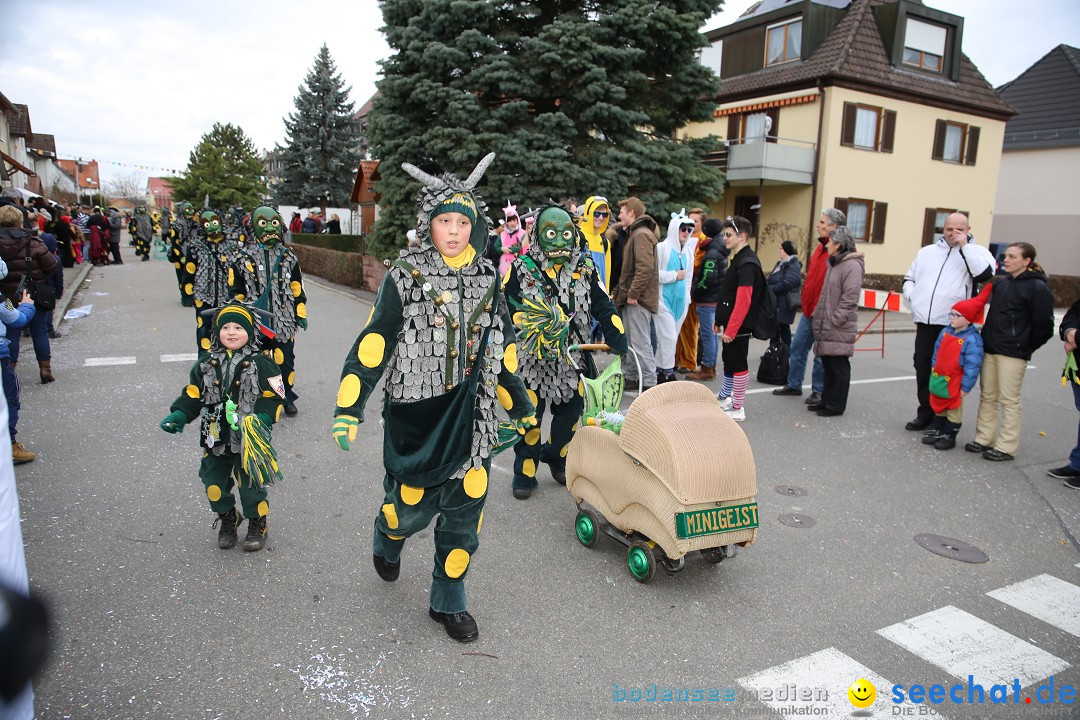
(591, 347)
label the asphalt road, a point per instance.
(152, 620)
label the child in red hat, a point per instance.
(958, 357)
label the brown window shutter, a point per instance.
(972, 145)
(847, 130)
(734, 123)
(877, 235)
(774, 131)
(841, 205)
(888, 131)
(939, 141)
(928, 226)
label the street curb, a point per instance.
(76, 286)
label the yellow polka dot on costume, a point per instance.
(519, 317)
(581, 388)
(349, 391)
(617, 322)
(532, 437)
(295, 287)
(301, 310)
(370, 315)
(198, 303)
(528, 468)
(510, 361)
(279, 357)
(411, 495)
(205, 343)
(550, 273)
(190, 267)
(199, 322)
(292, 377)
(192, 391)
(456, 562)
(390, 513)
(575, 426)
(213, 492)
(476, 482)
(263, 509)
(268, 393)
(532, 396)
(189, 289)
(565, 448)
(394, 537)
(504, 397)
(239, 296)
(277, 415)
(231, 278)
(371, 349)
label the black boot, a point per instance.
(946, 440)
(550, 458)
(459, 626)
(256, 534)
(226, 524)
(932, 433)
(387, 570)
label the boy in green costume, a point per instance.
(238, 392)
(441, 331)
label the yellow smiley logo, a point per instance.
(862, 693)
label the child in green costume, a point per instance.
(238, 393)
(441, 331)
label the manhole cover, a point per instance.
(952, 548)
(797, 520)
(790, 490)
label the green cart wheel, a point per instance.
(587, 527)
(641, 561)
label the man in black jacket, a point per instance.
(705, 292)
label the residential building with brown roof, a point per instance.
(1036, 192)
(869, 106)
(17, 168)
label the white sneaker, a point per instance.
(736, 415)
(725, 402)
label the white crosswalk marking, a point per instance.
(180, 357)
(1046, 597)
(963, 645)
(103, 361)
(826, 675)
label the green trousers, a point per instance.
(460, 506)
(528, 453)
(219, 473)
(283, 354)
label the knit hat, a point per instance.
(236, 313)
(972, 309)
(459, 202)
(711, 228)
(789, 247)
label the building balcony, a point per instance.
(777, 162)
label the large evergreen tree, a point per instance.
(224, 166)
(576, 98)
(322, 144)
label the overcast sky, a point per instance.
(138, 83)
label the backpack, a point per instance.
(773, 369)
(765, 307)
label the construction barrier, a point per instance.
(882, 301)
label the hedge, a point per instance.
(340, 243)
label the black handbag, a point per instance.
(773, 369)
(44, 296)
(421, 454)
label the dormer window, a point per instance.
(783, 42)
(924, 45)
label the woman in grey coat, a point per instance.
(836, 321)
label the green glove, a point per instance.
(344, 431)
(174, 422)
(302, 322)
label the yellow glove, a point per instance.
(524, 424)
(344, 431)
